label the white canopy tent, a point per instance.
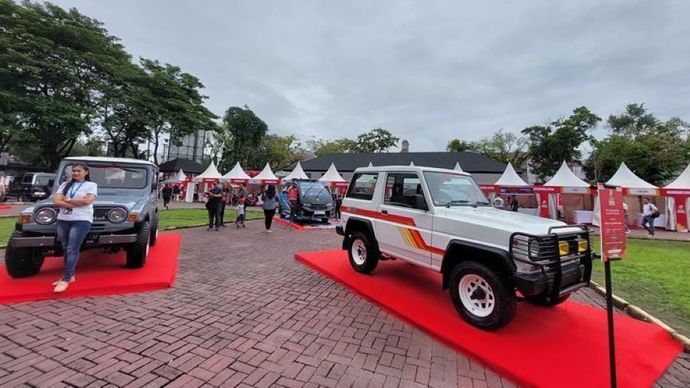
(333, 177)
(211, 174)
(457, 167)
(632, 185)
(297, 173)
(266, 176)
(677, 202)
(177, 178)
(563, 182)
(510, 178)
(237, 175)
(510, 184)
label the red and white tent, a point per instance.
(297, 173)
(266, 176)
(177, 178)
(632, 186)
(211, 175)
(677, 202)
(563, 182)
(509, 183)
(333, 178)
(237, 175)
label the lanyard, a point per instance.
(73, 191)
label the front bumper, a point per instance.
(572, 278)
(51, 241)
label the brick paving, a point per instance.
(242, 313)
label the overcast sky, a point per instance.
(428, 71)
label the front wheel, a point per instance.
(22, 262)
(481, 296)
(543, 300)
(137, 252)
(154, 231)
(363, 257)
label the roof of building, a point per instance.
(188, 166)
(348, 162)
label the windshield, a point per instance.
(43, 180)
(113, 176)
(448, 189)
(312, 188)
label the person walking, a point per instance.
(514, 204)
(269, 204)
(75, 201)
(167, 193)
(176, 191)
(223, 202)
(649, 213)
(241, 213)
(213, 207)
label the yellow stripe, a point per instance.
(406, 236)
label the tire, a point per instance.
(154, 231)
(363, 257)
(543, 300)
(137, 252)
(481, 296)
(22, 262)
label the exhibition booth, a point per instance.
(511, 187)
(333, 178)
(677, 201)
(566, 197)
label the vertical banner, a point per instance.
(681, 212)
(612, 223)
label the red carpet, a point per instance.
(565, 346)
(98, 274)
(293, 225)
(5, 207)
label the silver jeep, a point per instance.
(125, 215)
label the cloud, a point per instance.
(427, 71)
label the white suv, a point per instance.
(439, 219)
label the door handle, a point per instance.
(384, 211)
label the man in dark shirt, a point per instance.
(167, 194)
(214, 206)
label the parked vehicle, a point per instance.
(125, 216)
(439, 219)
(314, 204)
(31, 186)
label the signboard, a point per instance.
(516, 190)
(612, 223)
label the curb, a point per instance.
(637, 313)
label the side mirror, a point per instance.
(420, 202)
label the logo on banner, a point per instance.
(612, 223)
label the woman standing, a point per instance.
(270, 202)
(75, 201)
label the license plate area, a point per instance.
(91, 238)
(320, 213)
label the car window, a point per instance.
(402, 189)
(110, 176)
(43, 180)
(448, 189)
(362, 186)
(28, 178)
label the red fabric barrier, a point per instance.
(563, 346)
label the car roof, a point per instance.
(106, 159)
(417, 169)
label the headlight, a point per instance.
(117, 215)
(45, 216)
(582, 246)
(534, 249)
(563, 248)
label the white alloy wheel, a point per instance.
(359, 252)
(476, 295)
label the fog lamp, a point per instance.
(563, 248)
(582, 246)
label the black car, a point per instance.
(31, 186)
(314, 204)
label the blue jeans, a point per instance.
(648, 223)
(71, 235)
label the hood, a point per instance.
(506, 221)
(128, 201)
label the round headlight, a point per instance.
(117, 215)
(534, 249)
(45, 216)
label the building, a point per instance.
(191, 148)
(483, 169)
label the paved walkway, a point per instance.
(243, 312)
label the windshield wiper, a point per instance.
(482, 203)
(456, 202)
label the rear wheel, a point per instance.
(22, 262)
(137, 252)
(543, 300)
(363, 257)
(481, 296)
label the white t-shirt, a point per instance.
(648, 209)
(79, 190)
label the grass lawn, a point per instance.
(655, 275)
(173, 218)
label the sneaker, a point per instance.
(71, 280)
(60, 286)
(244, 226)
(269, 231)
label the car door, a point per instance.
(404, 229)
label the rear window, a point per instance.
(362, 186)
(28, 178)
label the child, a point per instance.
(240, 212)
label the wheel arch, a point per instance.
(458, 251)
(355, 224)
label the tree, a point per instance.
(242, 131)
(376, 140)
(657, 151)
(457, 145)
(322, 147)
(560, 141)
(504, 147)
